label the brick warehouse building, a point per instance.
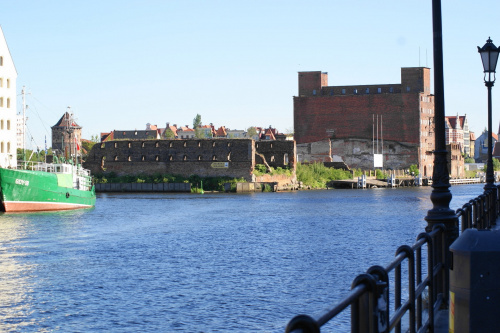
(332, 122)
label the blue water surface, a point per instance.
(200, 263)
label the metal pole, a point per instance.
(490, 178)
(441, 195)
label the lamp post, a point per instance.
(489, 56)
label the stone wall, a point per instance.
(358, 153)
(235, 158)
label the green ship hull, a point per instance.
(30, 190)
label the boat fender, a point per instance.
(67, 194)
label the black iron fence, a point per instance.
(419, 271)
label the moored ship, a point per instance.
(45, 187)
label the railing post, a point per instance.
(382, 295)
(363, 315)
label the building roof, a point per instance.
(496, 150)
(67, 121)
(451, 121)
(221, 132)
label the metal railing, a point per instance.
(426, 287)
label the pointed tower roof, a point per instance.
(66, 121)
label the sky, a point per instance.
(122, 64)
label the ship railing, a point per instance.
(426, 290)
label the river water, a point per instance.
(200, 263)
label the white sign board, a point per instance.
(378, 161)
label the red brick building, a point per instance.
(342, 118)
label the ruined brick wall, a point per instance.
(320, 151)
(277, 153)
(205, 157)
(358, 153)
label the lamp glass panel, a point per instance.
(485, 58)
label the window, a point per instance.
(185, 158)
(185, 143)
(407, 89)
(229, 157)
(1, 61)
(199, 157)
(343, 91)
(143, 145)
(171, 144)
(199, 144)
(116, 157)
(391, 89)
(355, 91)
(214, 158)
(8, 101)
(367, 91)
(379, 90)
(8, 124)
(129, 158)
(8, 147)
(157, 158)
(8, 83)
(331, 92)
(1, 82)
(272, 159)
(1, 102)
(213, 144)
(157, 144)
(130, 144)
(314, 92)
(1, 124)
(143, 158)
(102, 144)
(116, 144)
(170, 158)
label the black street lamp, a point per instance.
(489, 56)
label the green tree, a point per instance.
(414, 170)
(198, 131)
(169, 134)
(496, 165)
(251, 132)
(196, 121)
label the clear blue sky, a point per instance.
(122, 64)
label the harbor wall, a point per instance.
(143, 187)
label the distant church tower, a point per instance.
(66, 135)
(8, 117)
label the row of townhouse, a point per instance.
(201, 132)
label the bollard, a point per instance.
(474, 283)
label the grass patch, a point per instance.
(316, 175)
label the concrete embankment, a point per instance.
(143, 187)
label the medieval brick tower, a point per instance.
(66, 135)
